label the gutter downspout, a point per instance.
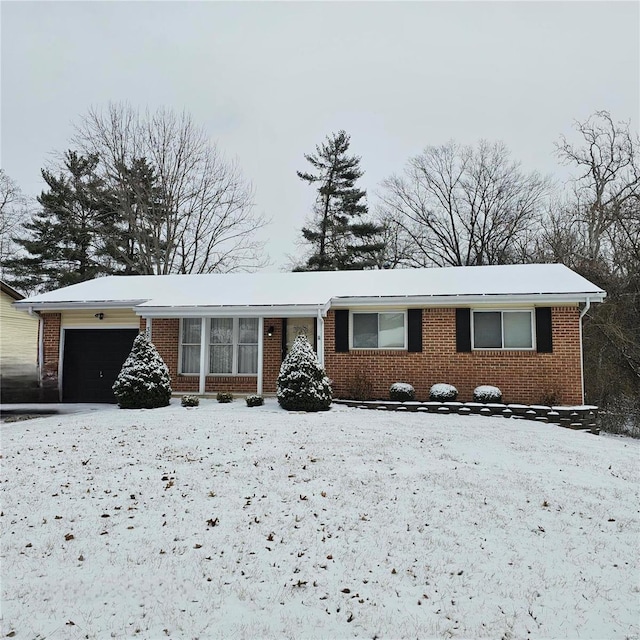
(583, 313)
(40, 350)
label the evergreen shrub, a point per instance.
(224, 396)
(303, 384)
(143, 381)
(487, 393)
(443, 393)
(402, 392)
(190, 401)
(255, 401)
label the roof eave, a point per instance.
(457, 300)
(26, 305)
(246, 311)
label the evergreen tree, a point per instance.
(64, 244)
(143, 382)
(302, 383)
(138, 243)
(340, 236)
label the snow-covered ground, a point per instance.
(228, 522)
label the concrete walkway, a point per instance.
(51, 408)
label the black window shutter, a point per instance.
(463, 329)
(342, 330)
(544, 339)
(414, 330)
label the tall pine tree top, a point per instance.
(339, 236)
(64, 245)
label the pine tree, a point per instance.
(64, 243)
(138, 243)
(303, 384)
(143, 382)
(340, 236)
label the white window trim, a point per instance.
(501, 312)
(181, 344)
(377, 312)
(205, 333)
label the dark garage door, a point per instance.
(92, 361)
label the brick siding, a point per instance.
(50, 349)
(523, 376)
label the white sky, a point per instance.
(270, 80)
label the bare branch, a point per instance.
(460, 205)
(202, 218)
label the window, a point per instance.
(191, 345)
(221, 345)
(502, 330)
(378, 330)
(247, 345)
(232, 345)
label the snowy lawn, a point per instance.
(228, 522)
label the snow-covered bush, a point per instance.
(255, 401)
(143, 381)
(190, 401)
(401, 392)
(302, 383)
(487, 393)
(224, 396)
(443, 393)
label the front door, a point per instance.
(293, 327)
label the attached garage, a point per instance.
(92, 359)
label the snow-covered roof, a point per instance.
(158, 295)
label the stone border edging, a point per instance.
(579, 417)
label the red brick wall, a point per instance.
(51, 349)
(272, 354)
(523, 376)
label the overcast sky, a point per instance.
(269, 81)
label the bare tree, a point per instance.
(184, 208)
(13, 211)
(595, 230)
(602, 210)
(459, 205)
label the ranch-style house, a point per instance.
(518, 327)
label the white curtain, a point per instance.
(191, 345)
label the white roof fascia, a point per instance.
(69, 306)
(275, 311)
(466, 300)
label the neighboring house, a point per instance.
(518, 327)
(18, 349)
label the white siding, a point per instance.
(86, 319)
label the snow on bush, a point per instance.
(487, 393)
(255, 401)
(401, 391)
(143, 381)
(443, 393)
(224, 396)
(190, 401)
(303, 384)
